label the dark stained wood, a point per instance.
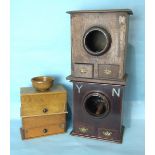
(107, 126)
(99, 81)
(83, 70)
(101, 11)
(113, 22)
(108, 71)
(115, 139)
(98, 44)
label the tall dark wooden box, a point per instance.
(98, 52)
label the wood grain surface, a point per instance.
(38, 121)
(43, 131)
(105, 81)
(116, 24)
(34, 103)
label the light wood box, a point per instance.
(43, 113)
(35, 103)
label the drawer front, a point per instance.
(43, 104)
(83, 129)
(109, 134)
(83, 70)
(108, 71)
(37, 121)
(43, 131)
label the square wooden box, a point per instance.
(100, 109)
(43, 113)
(99, 43)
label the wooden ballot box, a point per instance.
(99, 43)
(99, 40)
(100, 109)
(43, 113)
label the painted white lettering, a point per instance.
(116, 92)
(79, 88)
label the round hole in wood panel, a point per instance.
(96, 104)
(96, 41)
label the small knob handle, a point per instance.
(83, 70)
(107, 71)
(45, 130)
(107, 133)
(45, 110)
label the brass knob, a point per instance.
(45, 110)
(45, 130)
(83, 130)
(83, 70)
(107, 133)
(107, 71)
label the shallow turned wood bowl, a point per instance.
(42, 83)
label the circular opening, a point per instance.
(96, 41)
(96, 105)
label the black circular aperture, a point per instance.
(96, 41)
(96, 105)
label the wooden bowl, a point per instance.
(42, 83)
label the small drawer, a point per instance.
(83, 129)
(37, 121)
(109, 134)
(43, 104)
(108, 71)
(43, 131)
(83, 70)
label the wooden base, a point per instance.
(119, 141)
(101, 81)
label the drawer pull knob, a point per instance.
(82, 70)
(45, 131)
(107, 71)
(107, 133)
(83, 130)
(45, 110)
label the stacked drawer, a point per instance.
(43, 113)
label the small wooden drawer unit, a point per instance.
(43, 113)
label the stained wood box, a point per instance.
(99, 43)
(43, 113)
(100, 109)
